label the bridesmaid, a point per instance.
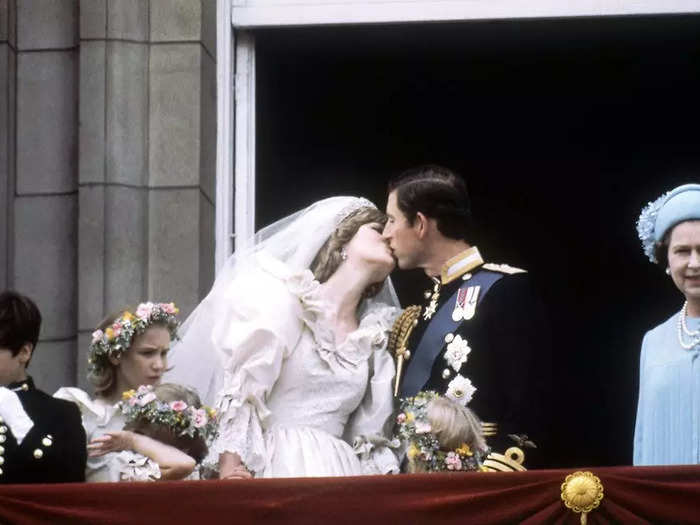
(127, 350)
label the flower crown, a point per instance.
(422, 445)
(117, 338)
(179, 417)
(646, 224)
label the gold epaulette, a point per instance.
(502, 268)
(398, 338)
(402, 328)
(510, 461)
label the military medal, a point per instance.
(458, 312)
(470, 303)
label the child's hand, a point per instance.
(111, 442)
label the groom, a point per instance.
(477, 336)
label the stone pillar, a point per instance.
(38, 178)
(147, 156)
(107, 162)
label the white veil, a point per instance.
(197, 359)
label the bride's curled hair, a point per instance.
(329, 256)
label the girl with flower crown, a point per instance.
(439, 435)
(166, 414)
(667, 427)
(290, 345)
(128, 349)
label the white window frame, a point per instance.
(235, 174)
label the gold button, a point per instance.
(0, 472)
(25, 387)
(407, 354)
(46, 442)
(2, 460)
(2, 450)
(3, 429)
(38, 453)
(2, 438)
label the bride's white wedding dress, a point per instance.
(298, 402)
(292, 401)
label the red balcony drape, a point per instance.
(632, 495)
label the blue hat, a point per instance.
(678, 205)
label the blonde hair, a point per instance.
(452, 425)
(329, 256)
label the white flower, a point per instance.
(422, 427)
(457, 352)
(460, 390)
(97, 336)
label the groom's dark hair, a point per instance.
(438, 193)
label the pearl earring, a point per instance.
(668, 271)
(343, 254)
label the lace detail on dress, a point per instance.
(240, 433)
(358, 345)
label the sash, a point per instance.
(430, 345)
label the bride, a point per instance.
(290, 344)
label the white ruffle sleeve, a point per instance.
(256, 341)
(371, 424)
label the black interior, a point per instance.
(563, 128)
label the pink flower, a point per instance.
(97, 336)
(117, 329)
(143, 389)
(133, 400)
(146, 398)
(144, 311)
(169, 308)
(178, 406)
(453, 462)
(401, 418)
(200, 418)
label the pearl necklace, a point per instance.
(694, 335)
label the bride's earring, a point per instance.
(343, 254)
(668, 271)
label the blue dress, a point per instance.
(668, 412)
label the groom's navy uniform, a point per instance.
(54, 448)
(481, 338)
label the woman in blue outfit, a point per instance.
(668, 412)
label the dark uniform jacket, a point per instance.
(507, 364)
(54, 450)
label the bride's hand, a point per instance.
(231, 467)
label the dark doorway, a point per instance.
(563, 129)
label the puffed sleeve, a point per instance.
(370, 426)
(256, 340)
(97, 418)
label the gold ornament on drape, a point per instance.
(582, 492)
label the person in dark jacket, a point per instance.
(41, 438)
(481, 337)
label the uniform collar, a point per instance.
(460, 264)
(22, 386)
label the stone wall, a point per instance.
(108, 162)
